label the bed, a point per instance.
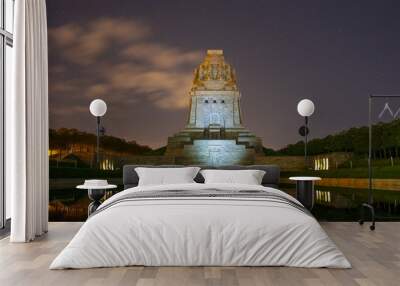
(197, 224)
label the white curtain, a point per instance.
(27, 124)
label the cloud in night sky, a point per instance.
(84, 44)
(139, 57)
(116, 60)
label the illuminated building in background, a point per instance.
(214, 134)
(323, 197)
(321, 163)
(107, 164)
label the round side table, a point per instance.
(95, 194)
(305, 190)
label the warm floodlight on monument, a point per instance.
(214, 134)
(98, 108)
(305, 108)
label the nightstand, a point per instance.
(305, 190)
(96, 191)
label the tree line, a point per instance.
(385, 142)
(64, 138)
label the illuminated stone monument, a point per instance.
(214, 134)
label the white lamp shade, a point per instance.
(305, 107)
(98, 107)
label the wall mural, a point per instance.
(198, 96)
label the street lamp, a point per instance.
(98, 108)
(305, 108)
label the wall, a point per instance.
(287, 163)
(335, 159)
(294, 163)
(150, 160)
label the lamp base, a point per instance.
(95, 195)
(372, 211)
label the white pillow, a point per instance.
(248, 177)
(165, 176)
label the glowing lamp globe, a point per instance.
(305, 107)
(98, 107)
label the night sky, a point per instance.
(139, 57)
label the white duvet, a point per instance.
(193, 231)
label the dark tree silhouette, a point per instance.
(63, 139)
(385, 142)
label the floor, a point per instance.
(375, 257)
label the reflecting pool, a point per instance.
(343, 204)
(331, 204)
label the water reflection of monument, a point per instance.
(214, 133)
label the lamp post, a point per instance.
(305, 108)
(98, 108)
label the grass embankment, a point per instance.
(386, 172)
(83, 173)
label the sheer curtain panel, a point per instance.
(27, 124)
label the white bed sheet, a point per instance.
(200, 232)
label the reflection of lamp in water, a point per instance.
(98, 108)
(305, 108)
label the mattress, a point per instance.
(201, 225)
